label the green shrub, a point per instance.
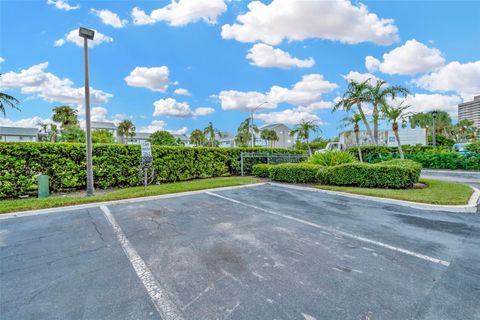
(332, 158)
(474, 147)
(114, 165)
(396, 174)
(294, 172)
(261, 170)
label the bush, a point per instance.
(396, 174)
(474, 147)
(261, 170)
(114, 165)
(294, 172)
(332, 158)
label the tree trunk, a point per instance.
(365, 122)
(357, 138)
(395, 131)
(309, 150)
(375, 123)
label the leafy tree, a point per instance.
(211, 133)
(244, 132)
(163, 138)
(464, 131)
(302, 130)
(394, 115)
(356, 94)
(443, 122)
(441, 141)
(72, 134)
(102, 136)
(7, 100)
(378, 95)
(353, 121)
(53, 133)
(197, 137)
(126, 129)
(270, 136)
(66, 116)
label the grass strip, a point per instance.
(126, 193)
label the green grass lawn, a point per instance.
(436, 192)
(127, 193)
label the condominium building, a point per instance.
(18, 134)
(470, 111)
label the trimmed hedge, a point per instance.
(114, 165)
(332, 158)
(294, 172)
(262, 170)
(396, 174)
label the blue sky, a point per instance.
(299, 54)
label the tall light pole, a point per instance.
(251, 121)
(434, 129)
(87, 34)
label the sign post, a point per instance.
(147, 162)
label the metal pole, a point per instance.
(241, 162)
(87, 123)
(434, 134)
(251, 128)
(145, 177)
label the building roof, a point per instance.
(141, 135)
(103, 125)
(273, 125)
(18, 131)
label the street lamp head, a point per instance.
(434, 113)
(86, 33)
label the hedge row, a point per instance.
(395, 174)
(114, 165)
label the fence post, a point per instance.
(241, 162)
(268, 158)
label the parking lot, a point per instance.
(255, 252)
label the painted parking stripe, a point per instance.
(335, 231)
(165, 307)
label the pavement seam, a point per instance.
(338, 232)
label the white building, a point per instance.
(283, 133)
(18, 134)
(407, 136)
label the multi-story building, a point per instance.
(283, 132)
(18, 134)
(470, 110)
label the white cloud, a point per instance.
(182, 12)
(428, 102)
(159, 125)
(110, 18)
(172, 108)
(288, 116)
(63, 5)
(181, 131)
(263, 55)
(24, 123)
(99, 114)
(48, 86)
(462, 78)
(73, 37)
(411, 58)
(305, 92)
(337, 20)
(181, 92)
(155, 79)
(360, 77)
(2, 60)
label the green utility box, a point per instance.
(43, 191)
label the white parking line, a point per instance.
(339, 232)
(165, 307)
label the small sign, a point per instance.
(146, 149)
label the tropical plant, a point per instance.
(72, 134)
(126, 129)
(303, 129)
(211, 133)
(7, 100)
(394, 115)
(66, 116)
(443, 122)
(356, 94)
(197, 138)
(53, 133)
(378, 95)
(354, 121)
(332, 158)
(244, 132)
(163, 138)
(464, 131)
(102, 136)
(270, 136)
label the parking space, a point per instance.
(263, 252)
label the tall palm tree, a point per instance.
(211, 132)
(379, 93)
(197, 137)
(126, 129)
(394, 115)
(244, 132)
(302, 130)
(356, 94)
(354, 121)
(7, 100)
(270, 136)
(66, 116)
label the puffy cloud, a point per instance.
(263, 55)
(180, 131)
(244, 101)
(172, 108)
(411, 58)
(360, 77)
(289, 116)
(182, 12)
(110, 18)
(337, 20)
(63, 5)
(2, 60)
(24, 123)
(73, 37)
(159, 125)
(48, 86)
(181, 92)
(420, 102)
(463, 78)
(155, 79)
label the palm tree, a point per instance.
(393, 115)
(197, 137)
(378, 97)
(9, 101)
(356, 94)
(270, 136)
(244, 132)
(126, 129)
(211, 134)
(354, 121)
(302, 130)
(66, 116)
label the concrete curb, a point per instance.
(19, 214)
(471, 207)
